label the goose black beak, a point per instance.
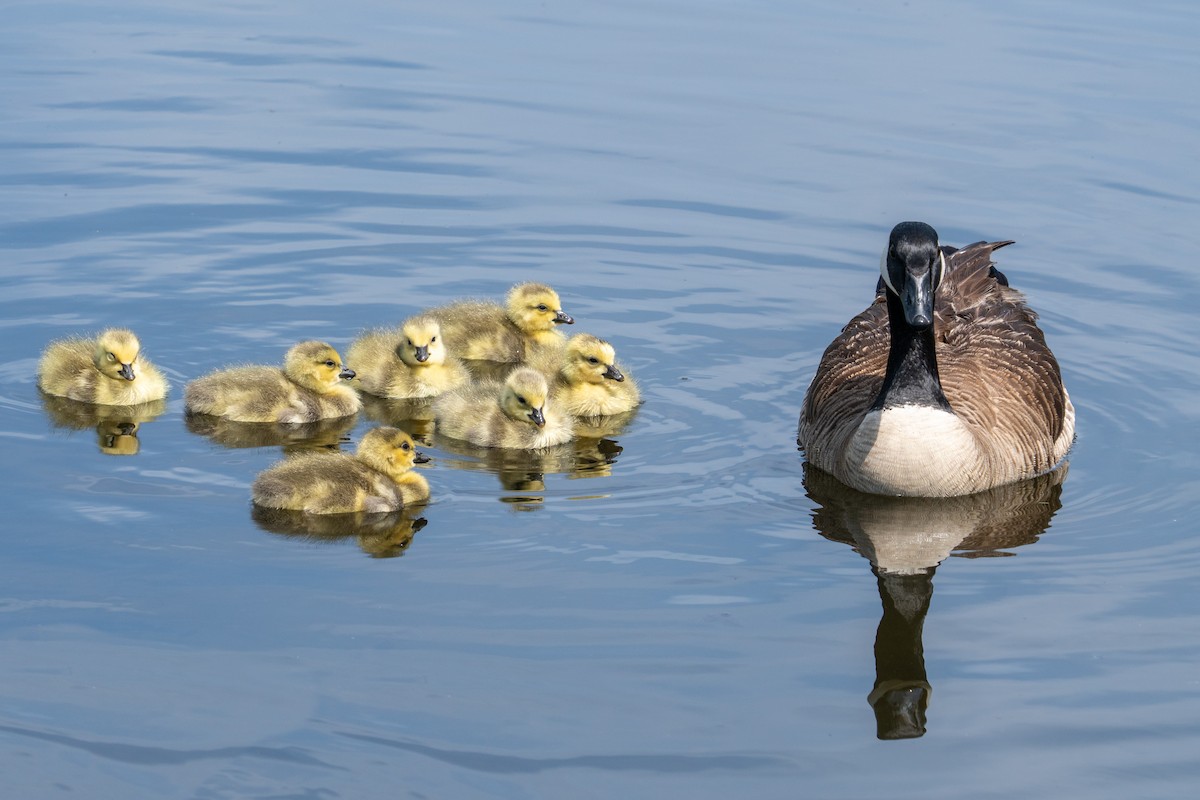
(346, 373)
(420, 458)
(126, 372)
(423, 353)
(612, 373)
(917, 299)
(566, 319)
(538, 417)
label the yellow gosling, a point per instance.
(377, 478)
(484, 331)
(108, 369)
(308, 388)
(406, 363)
(588, 381)
(514, 414)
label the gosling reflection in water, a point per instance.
(524, 471)
(116, 426)
(905, 539)
(414, 416)
(378, 535)
(293, 437)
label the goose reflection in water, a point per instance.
(384, 535)
(116, 426)
(905, 539)
(291, 436)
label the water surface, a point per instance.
(708, 186)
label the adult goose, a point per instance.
(943, 386)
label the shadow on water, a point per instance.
(905, 539)
(116, 426)
(384, 535)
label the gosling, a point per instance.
(406, 363)
(107, 370)
(484, 331)
(514, 414)
(308, 388)
(377, 478)
(588, 382)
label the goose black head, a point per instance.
(912, 267)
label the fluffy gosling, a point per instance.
(588, 382)
(406, 363)
(485, 331)
(377, 478)
(308, 388)
(108, 369)
(515, 414)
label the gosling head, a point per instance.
(535, 307)
(912, 268)
(421, 342)
(117, 353)
(524, 396)
(316, 366)
(590, 360)
(389, 450)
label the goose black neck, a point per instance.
(912, 373)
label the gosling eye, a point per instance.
(330, 364)
(593, 360)
(410, 344)
(112, 357)
(434, 339)
(543, 307)
(405, 447)
(522, 400)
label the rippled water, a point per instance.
(667, 610)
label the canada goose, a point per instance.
(107, 369)
(308, 388)
(377, 478)
(514, 414)
(406, 363)
(485, 331)
(943, 386)
(586, 380)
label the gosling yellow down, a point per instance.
(107, 369)
(308, 388)
(406, 363)
(485, 331)
(586, 381)
(377, 478)
(514, 414)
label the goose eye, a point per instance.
(542, 307)
(112, 358)
(593, 360)
(410, 344)
(405, 447)
(329, 364)
(522, 400)
(434, 339)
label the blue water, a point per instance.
(709, 187)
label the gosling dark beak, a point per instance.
(567, 319)
(126, 372)
(916, 298)
(612, 373)
(420, 458)
(346, 373)
(538, 417)
(423, 353)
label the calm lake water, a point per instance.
(665, 611)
